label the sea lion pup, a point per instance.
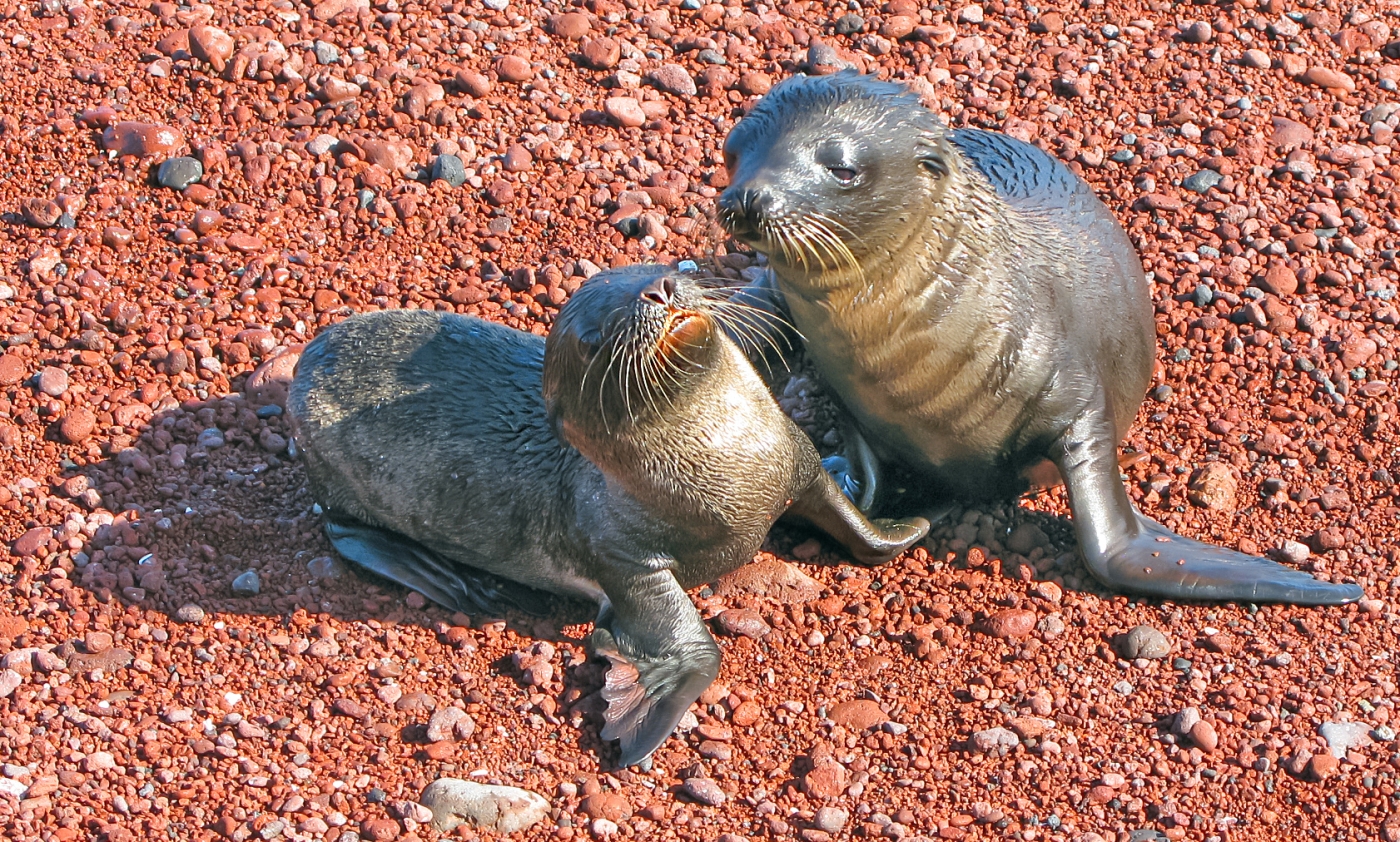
(977, 309)
(633, 455)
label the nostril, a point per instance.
(659, 291)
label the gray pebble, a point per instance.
(190, 613)
(1202, 181)
(179, 173)
(1123, 688)
(365, 197)
(690, 5)
(1282, 659)
(711, 57)
(1384, 733)
(211, 438)
(326, 52)
(998, 741)
(704, 790)
(1123, 156)
(1144, 642)
(849, 24)
(273, 829)
(247, 584)
(1203, 296)
(1294, 552)
(449, 168)
(272, 410)
(321, 144)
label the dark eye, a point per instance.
(845, 175)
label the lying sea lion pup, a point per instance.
(978, 310)
(632, 455)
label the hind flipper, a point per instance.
(451, 584)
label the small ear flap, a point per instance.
(935, 157)
(935, 165)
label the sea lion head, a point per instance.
(826, 170)
(628, 344)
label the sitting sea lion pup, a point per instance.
(977, 309)
(634, 454)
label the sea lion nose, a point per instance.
(744, 204)
(660, 291)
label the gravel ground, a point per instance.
(151, 688)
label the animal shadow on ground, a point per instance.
(205, 516)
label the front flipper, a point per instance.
(869, 542)
(1126, 550)
(856, 470)
(662, 658)
(448, 583)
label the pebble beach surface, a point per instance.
(190, 193)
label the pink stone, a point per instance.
(625, 111)
(142, 139)
(211, 44)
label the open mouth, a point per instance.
(684, 327)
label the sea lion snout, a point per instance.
(741, 209)
(660, 291)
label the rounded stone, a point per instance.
(504, 809)
(673, 79)
(704, 790)
(625, 111)
(190, 613)
(1197, 32)
(831, 819)
(179, 173)
(742, 622)
(517, 158)
(1144, 642)
(53, 381)
(142, 139)
(449, 168)
(1324, 77)
(211, 44)
(857, 714)
(572, 26)
(77, 426)
(601, 53)
(1009, 624)
(12, 369)
(513, 69)
(1204, 736)
(247, 584)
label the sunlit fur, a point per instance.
(618, 358)
(921, 261)
(791, 218)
